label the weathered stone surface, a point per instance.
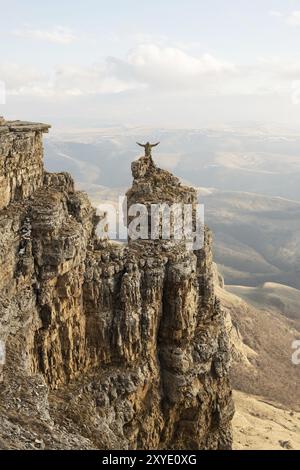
(107, 346)
(21, 165)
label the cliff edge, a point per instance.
(103, 345)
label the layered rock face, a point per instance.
(21, 167)
(115, 346)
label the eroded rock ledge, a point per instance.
(107, 346)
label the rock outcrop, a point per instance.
(106, 345)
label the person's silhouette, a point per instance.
(148, 148)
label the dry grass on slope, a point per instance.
(262, 352)
(258, 425)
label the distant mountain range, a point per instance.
(256, 237)
(258, 161)
(249, 181)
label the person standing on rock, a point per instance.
(148, 148)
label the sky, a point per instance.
(168, 63)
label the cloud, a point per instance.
(63, 81)
(146, 66)
(277, 69)
(162, 70)
(96, 79)
(169, 67)
(59, 34)
(17, 76)
(293, 18)
(173, 60)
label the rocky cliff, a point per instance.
(103, 345)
